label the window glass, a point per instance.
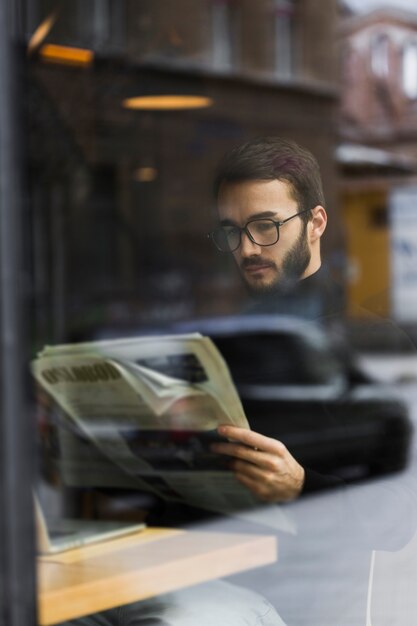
(380, 55)
(409, 68)
(225, 33)
(214, 404)
(292, 358)
(283, 22)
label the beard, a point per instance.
(292, 268)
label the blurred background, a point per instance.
(125, 108)
(119, 177)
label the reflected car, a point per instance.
(302, 387)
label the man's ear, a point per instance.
(318, 224)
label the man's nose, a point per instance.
(247, 246)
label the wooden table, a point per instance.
(139, 566)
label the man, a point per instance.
(216, 602)
(271, 218)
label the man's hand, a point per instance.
(262, 464)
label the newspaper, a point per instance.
(151, 406)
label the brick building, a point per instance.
(379, 79)
(378, 155)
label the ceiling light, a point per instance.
(66, 55)
(168, 102)
(145, 174)
(41, 32)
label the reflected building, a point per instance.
(121, 196)
(378, 160)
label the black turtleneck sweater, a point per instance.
(317, 297)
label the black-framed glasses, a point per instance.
(262, 231)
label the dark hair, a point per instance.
(274, 158)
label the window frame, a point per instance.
(17, 458)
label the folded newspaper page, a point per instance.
(151, 406)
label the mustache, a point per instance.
(255, 262)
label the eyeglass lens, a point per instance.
(262, 232)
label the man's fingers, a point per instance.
(263, 465)
(239, 451)
(252, 439)
(251, 484)
(249, 455)
(260, 474)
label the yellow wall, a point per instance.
(368, 253)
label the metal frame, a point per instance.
(17, 450)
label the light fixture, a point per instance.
(66, 55)
(167, 102)
(145, 174)
(42, 32)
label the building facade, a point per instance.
(378, 126)
(379, 79)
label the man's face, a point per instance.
(264, 268)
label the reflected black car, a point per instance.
(299, 386)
